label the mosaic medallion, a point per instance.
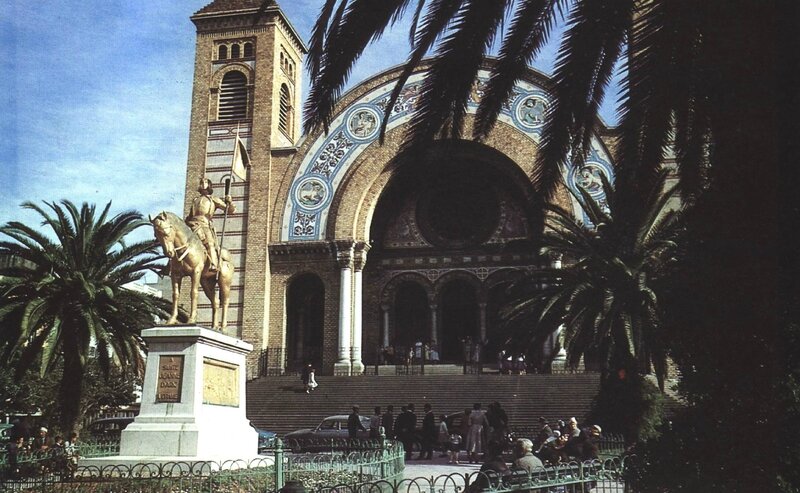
(588, 177)
(311, 193)
(363, 123)
(531, 111)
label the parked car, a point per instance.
(266, 439)
(109, 428)
(332, 429)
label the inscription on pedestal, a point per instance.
(170, 376)
(220, 383)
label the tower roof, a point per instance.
(219, 9)
(219, 6)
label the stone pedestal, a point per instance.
(193, 400)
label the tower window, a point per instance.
(233, 96)
(235, 51)
(248, 50)
(223, 52)
(285, 111)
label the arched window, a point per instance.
(235, 51)
(248, 50)
(223, 52)
(285, 114)
(233, 96)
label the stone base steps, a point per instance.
(279, 404)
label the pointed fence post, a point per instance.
(279, 481)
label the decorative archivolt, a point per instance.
(329, 157)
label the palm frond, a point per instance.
(363, 22)
(586, 58)
(529, 31)
(443, 96)
(438, 16)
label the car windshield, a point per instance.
(329, 424)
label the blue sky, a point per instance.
(96, 98)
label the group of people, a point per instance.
(477, 432)
(402, 427)
(401, 355)
(566, 441)
(56, 453)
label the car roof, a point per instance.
(342, 417)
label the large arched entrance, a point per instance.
(304, 322)
(447, 216)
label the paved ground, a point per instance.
(436, 467)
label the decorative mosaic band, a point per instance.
(317, 179)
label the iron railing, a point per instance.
(595, 476)
(379, 460)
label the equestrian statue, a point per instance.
(191, 246)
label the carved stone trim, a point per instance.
(344, 253)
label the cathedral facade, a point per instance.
(347, 250)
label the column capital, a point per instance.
(385, 307)
(344, 253)
(359, 259)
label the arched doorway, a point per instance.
(459, 309)
(304, 321)
(412, 315)
(495, 333)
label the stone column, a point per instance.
(385, 311)
(434, 328)
(359, 259)
(344, 256)
(558, 335)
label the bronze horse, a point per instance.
(188, 257)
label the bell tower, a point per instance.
(247, 81)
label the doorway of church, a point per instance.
(304, 322)
(412, 315)
(460, 325)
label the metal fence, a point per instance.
(378, 460)
(589, 477)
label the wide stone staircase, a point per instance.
(279, 404)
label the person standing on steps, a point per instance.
(304, 377)
(477, 421)
(387, 421)
(375, 423)
(428, 434)
(312, 381)
(354, 424)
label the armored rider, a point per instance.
(201, 215)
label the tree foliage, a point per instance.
(607, 294)
(66, 302)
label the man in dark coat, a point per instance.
(404, 427)
(304, 375)
(429, 434)
(398, 422)
(545, 432)
(387, 421)
(354, 424)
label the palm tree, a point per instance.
(706, 78)
(607, 296)
(65, 303)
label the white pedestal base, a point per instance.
(193, 401)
